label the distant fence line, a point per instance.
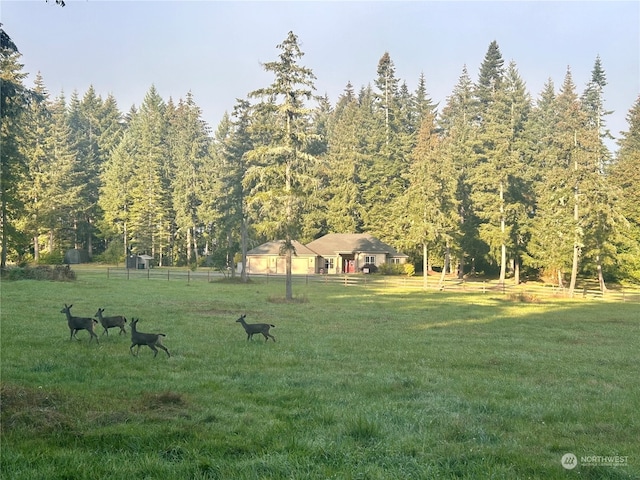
(454, 285)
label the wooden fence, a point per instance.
(524, 290)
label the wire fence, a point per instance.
(524, 291)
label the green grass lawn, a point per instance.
(362, 383)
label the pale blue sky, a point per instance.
(214, 49)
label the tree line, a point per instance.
(490, 181)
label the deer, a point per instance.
(79, 323)
(110, 322)
(252, 328)
(152, 340)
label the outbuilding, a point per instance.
(139, 262)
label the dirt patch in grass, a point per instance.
(34, 409)
(522, 297)
(164, 400)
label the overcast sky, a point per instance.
(214, 49)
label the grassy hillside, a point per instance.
(362, 383)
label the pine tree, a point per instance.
(497, 173)
(33, 191)
(547, 250)
(63, 197)
(624, 176)
(460, 130)
(14, 98)
(116, 199)
(85, 128)
(343, 164)
(430, 203)
(490, 76)
(280, 160)
(189, 149)
(150, 214)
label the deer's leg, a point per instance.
(155, 350)
(163, 348)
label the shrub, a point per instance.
(40, 272)
(53, 258)
(391, 269)
(370, 267)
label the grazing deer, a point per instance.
(252, 328)
(152, 340)
(79, 323)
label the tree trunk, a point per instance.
(503, 247)
(194, 240)
(425, 266)
(189, 246)
(576, 237)
(5, 240)
(444, 267)
(576, 254)
(243, 241)
(603, 287)
(36, 248)
(289, 287)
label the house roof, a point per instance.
(335, 243)
(273, 248)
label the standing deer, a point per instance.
(79, 323)
(152, 340)
(252, 328)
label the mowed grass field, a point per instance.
(362, 383)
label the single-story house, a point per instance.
(353, 252)
(333, 253)
(267, 258)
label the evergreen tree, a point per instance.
(570, 168)
(85, 128)
(624, 176)
(150, 213)
(63, 198)
(116, 200)
(33, 191)
(189, 149)
(601, 217)
(278, 176)
(490, 77)
(497, 174)
(388, 152)
(342, 194)
(228, 194)
(423, 103)
(547, 249)
(14, 98)
(430, 203)
(460, 130)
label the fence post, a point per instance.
(107, 273)
(148, 273)
(127, 273)
(167, 274)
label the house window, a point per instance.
(328, 264)
(370, 259)
(395, 260)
